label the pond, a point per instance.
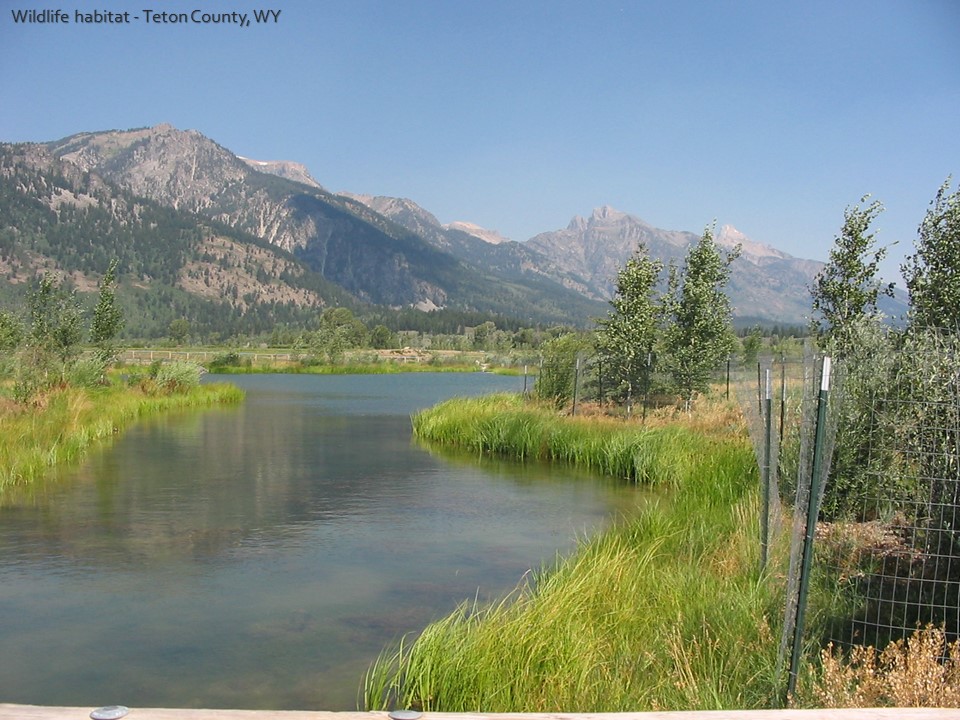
(261, 556)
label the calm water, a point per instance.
(261, 556)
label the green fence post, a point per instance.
(767, 451)
(812, 511)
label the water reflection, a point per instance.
(261, 556)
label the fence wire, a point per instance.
(893, 545)
(886, 557)
(780, 399)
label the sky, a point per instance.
(517, 115)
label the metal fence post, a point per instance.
(813, 506)
(576, 381)
(767, 452)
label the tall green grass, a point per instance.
(665, 610)
(71, 420)
(506, 424)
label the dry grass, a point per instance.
(923, 671)
(709, 414)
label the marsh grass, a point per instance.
(64, 423)
(661, 451)
(665, 610)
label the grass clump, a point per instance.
(63, 423)
(664, 610)
(662, 452)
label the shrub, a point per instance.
(227, 359)
(922, 671)
(87, 372)
(176, 376)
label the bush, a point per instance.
(177, 376)
(923, 671)
(87, 372)
(227, 359)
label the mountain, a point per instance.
(343, 247)
(766, 284)
(259, 239)
(284, 168)
(489, 236)
(56, 216)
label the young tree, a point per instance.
(932, 274)
(846, 291)
(382, 337)
(752, 344)
(11, 337)
(626, 337)
(107, 318)
(558, 361)
(339, 331)
(55, 325)
(179, 330)
(698, 335)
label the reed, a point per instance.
(69, 421)
(662, 453)
(665, 610)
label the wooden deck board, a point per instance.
(37, 712)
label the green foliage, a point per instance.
(847, 289)
(752, 344)
(107, 318)
(381, 338)
(179, 330)
(626, 337)
(896, 468)
(932, 274)
(698, 336)
(224, 360)
(896, 385)
(53, 336)
(177, 376)
(339, 331)
(12, 333)
(87, 372)
(557, 370)
(863, 447)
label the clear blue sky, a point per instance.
(771, 116)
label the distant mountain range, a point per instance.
(201, 231)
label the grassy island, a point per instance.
(665, 610)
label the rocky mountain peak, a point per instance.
(283, 168)
(402, 210)
(489, 236)
(729, 237)
(607, 215)
(180, 168)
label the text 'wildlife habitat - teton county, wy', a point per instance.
(149, 17)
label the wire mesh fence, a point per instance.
(873, 482)
(892, 541)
